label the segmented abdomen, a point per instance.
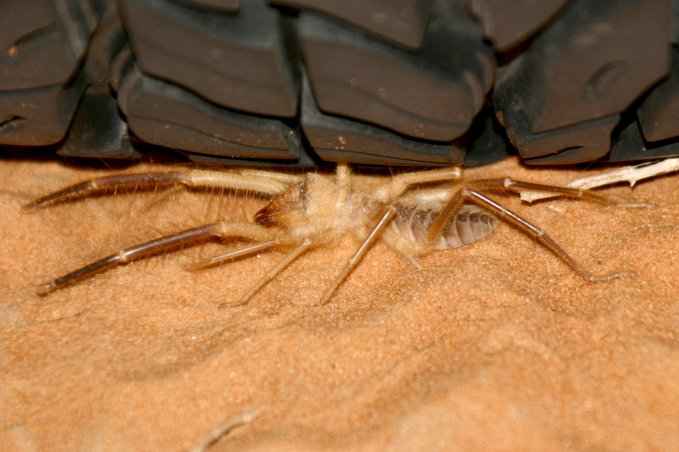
(469, 224)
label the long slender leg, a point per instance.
(267, 183)
(108, 183)
(387, 215)
(401, 182)
(542, 237)
(240, 252)
(162, 244)
(278, 176)
(538, 234)
(271, 274)
(517, 186)
(344, 184)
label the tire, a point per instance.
(301, 83)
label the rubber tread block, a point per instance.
(304, 160)
(510, 22)
(164, 114)
(594, 61)
(432, 95)
(42, 42)
(576, 143)
(240, 61)
(39, 116)
(231, 6)
(401, 22)
(659, 113)
(338, 139)
(630, 145)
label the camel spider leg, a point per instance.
(300, 249)
(162, 244)
(240, 252)
(517, 186)
(538, 234)
(387, 214)
(402, 182)
(263, 182)
(399, 184)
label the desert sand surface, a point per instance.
(494, 346)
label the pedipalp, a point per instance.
(262, 182)
(157, 246)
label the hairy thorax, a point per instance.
(319, 207)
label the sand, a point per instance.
(494, 346)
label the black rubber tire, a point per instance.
(303, 82)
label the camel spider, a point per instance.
(414, 213)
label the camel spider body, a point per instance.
(414, 213)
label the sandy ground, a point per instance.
(493, 346)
